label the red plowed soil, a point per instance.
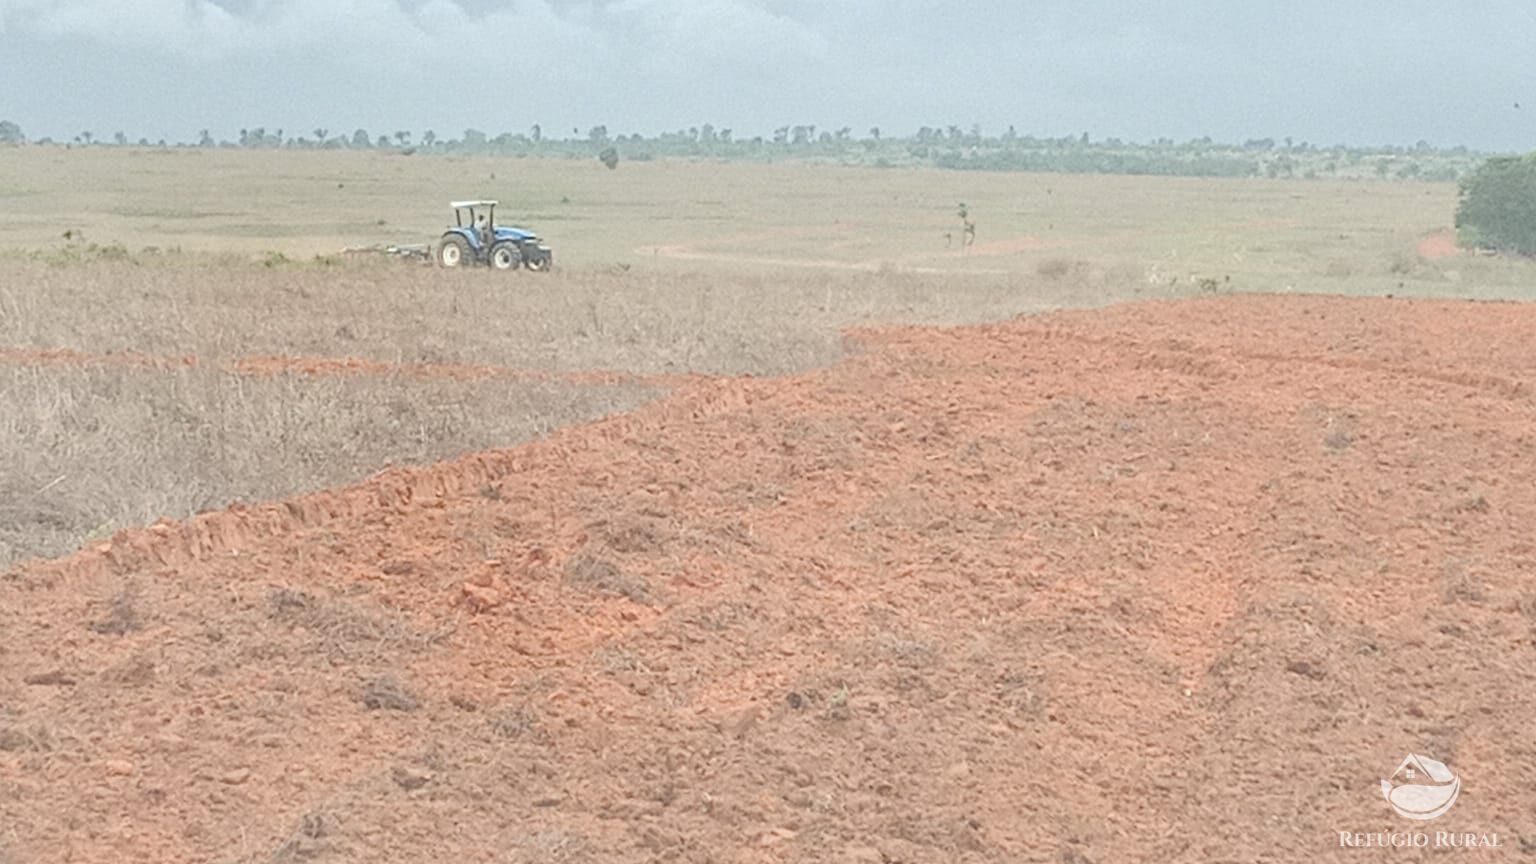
(1172, 581)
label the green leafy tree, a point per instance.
(1497, 205)
(361, 139)
(10, 133)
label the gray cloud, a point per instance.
(1370, 71)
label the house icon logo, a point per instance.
(1421, 788)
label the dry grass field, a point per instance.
(181, 264)
(1339, 237)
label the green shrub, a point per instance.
(1497, 206)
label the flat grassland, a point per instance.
(1338, 237)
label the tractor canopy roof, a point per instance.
(459, 205)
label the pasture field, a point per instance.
(1336, 237)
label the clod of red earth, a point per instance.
(1440, 244)
(1173, 580)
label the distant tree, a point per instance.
(598, 134)
(403, 138)
(428, 138)
(874, 132)
(10, 133)
(609, 157)
(781, 135)
(536, 132)
(1496, 208)
(204, 138)
(87, 137)
(120, 139)
(320, 134)
(382, 143)
(474, 139)
(361, 139)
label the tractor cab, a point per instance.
(480, 216)
(475, 238)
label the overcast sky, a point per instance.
(1358, 71)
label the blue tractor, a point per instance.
(477, 239)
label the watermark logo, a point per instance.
(1421, 788)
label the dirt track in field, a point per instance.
(719, 249)
(1174, 581)
(273, 364)
(919, 262)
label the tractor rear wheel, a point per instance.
(452, 251)
(506, 256)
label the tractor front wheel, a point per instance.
(452, 251)
(506, 256)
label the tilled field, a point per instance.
(1168, 581)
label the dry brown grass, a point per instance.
(757, 322)
(93, 449)
(117, 440)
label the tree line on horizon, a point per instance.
(948, 147)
